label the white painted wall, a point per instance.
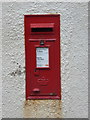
(74, 59)
(0, 60)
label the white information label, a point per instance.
(42, 57)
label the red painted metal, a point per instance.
(40, 25)
(42, 31)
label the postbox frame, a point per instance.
(26, 56)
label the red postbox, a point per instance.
(42, 53)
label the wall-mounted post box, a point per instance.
(42, 53)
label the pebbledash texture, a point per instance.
(74, 61)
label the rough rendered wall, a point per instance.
(74, 45)
(0, 59)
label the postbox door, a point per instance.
(43, 66)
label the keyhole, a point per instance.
(34, 70)
(42, 42)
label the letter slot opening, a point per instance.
(42, 30)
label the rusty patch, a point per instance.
(42, 108)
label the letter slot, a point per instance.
(42, 28)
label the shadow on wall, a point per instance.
(43, 109)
